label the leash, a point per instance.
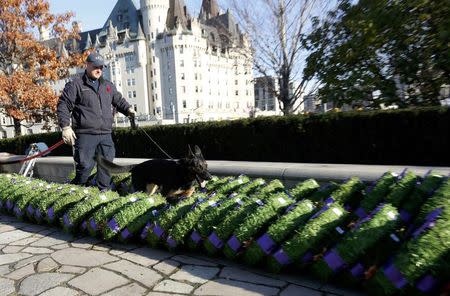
(135, 127)
(36, 155)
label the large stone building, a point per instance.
(172, 67)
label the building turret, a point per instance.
(154, 13)
(209, 9)
(177, 15)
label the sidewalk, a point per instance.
(43, 260)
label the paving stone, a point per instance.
(340, 291)
(228, 287)
(146, 256)
(12, 236)
(56, 239)
(192, 261)
(85, 243)
(71, 269)
(294, 290)
(167, 266)
(26, 241)
(300, 280)
(34, 250)
(6, 287)
(38, 283)
(10, 258)
(195, 274)
(232, 273)
(80, 257)
(4, 269)
(29, 260)
(123, 246)
(12, 249)
(97, 281)
(21, 272)
(173, 287)
(117, 252)
(60, 246)
(60, 291)
(162, 294)
(144, 275)
(129, 290)
(47, 264)
(34, 228)
(6, 228)
(101, 247)
(48, 231)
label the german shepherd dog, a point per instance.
(171, 178)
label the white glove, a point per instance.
(68, 135)
(131, 112)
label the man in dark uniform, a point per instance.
(85, 115)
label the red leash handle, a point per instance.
(36, 155)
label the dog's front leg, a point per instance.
(151, 188)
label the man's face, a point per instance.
(94, 72)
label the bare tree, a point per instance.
(276, 29)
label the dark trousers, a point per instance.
(86, 148)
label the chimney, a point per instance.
(44, 33)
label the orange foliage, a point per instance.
(27, 65)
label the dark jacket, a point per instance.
(91, 110)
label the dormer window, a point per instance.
(119, 17)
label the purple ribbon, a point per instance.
(427, 283)
(84, 225)
(93, 224)
(395, 276)
(329, 201)
(50, 214)
(266, 243)
(144, 232)
(234, 243)
(308, 257)
(171, 242)
(30, 210)
(357, 270)
(360, 212)
(18, 211)
(215, 240)
(158, 231)
(404, 215)
(66, 220)
(282, 257)
(369, 217)
(125, 233)
(334, 260)
(429, 222)
(9, 204)
(323, 209)
(112, 224)
(195, 237)
(38, 214)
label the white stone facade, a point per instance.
(173, 68)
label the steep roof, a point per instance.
(177, 14)
(124, 16)
(209, 9)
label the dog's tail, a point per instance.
(112, 167)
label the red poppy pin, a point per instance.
(108, 88)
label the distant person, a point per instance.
(85, 115)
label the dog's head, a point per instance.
(197, 165)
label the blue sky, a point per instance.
(93, 13)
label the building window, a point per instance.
(29, 131)
(135, 107)
(170, 90)
(184, 104)
(133, 81)
(128, 82)
(181, 49)
(195, 76)
(134, 93)
(236, 93)
(169, 77)
(183, 89)
(181, 63)
(130, 94)
(4, 135)
(183, 76)
(155, 84)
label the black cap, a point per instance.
(96, 59)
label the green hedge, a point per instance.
(359, 137)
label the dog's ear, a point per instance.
(197, 151)
(190, 154)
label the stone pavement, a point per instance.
(43, 260)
